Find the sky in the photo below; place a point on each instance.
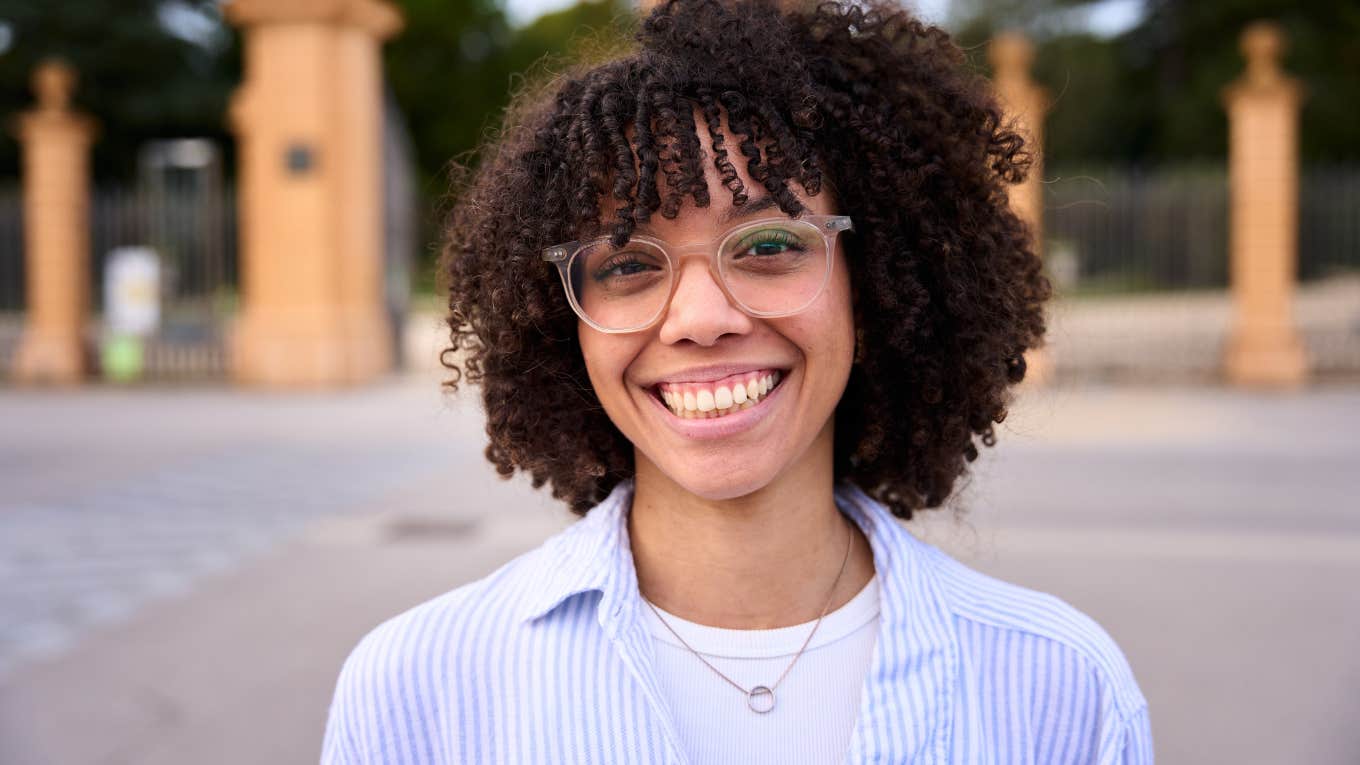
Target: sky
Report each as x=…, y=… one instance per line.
x=525, y=11
x=1107, y=18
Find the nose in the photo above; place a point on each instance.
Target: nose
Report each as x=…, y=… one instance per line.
x=699, y=309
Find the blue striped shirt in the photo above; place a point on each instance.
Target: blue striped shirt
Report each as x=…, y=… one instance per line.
x=548, y=660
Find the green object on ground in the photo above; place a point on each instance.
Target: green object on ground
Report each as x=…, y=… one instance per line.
x=122, y=358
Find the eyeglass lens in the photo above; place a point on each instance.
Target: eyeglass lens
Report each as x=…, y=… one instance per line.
x=772, y=269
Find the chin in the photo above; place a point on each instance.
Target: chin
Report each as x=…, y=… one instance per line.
x=719, y=481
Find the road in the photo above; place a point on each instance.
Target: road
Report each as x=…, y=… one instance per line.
x=183, y=570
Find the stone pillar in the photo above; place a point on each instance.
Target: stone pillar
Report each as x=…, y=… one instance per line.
x=1263, y=106
x=1026, y=103
x=308, y=119
x=56, y=180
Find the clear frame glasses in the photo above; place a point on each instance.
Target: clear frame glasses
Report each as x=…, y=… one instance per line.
x=767, y=268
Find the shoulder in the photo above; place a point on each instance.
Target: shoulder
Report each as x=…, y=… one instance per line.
x=400, y=680
x=1042, y=654
x=995, y=610
x=978, y=600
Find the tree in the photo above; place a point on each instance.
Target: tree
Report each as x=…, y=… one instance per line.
x=455, y=65
x=147, y=68
x=1152, y=93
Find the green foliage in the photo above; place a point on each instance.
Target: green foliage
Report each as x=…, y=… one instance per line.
x=140, y=80
x=1153, y=93
x=453, y=70
x=455, y=65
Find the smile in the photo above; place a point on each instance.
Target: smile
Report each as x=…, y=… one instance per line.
x=718, y=398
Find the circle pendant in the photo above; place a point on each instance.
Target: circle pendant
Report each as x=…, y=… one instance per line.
x=760, y=699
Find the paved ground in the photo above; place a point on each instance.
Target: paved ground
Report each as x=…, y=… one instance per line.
x=1182, y=335
x=182, y=571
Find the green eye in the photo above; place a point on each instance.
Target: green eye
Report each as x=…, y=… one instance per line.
x=768, y=242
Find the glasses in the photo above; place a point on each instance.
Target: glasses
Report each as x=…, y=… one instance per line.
x=767, y=268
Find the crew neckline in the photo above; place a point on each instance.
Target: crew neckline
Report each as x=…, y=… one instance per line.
x=766, y=644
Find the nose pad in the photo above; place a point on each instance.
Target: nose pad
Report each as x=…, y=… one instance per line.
x=700, y=309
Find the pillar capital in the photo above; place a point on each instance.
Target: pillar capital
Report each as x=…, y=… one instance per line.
x=378, y=17
x=1011, y=54
x=1012, y=57
x=53, y=81
x=1263, y=44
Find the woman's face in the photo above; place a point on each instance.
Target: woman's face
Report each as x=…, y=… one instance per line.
x=704, y=343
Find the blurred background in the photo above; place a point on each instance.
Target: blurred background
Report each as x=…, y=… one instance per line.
x=225, y=454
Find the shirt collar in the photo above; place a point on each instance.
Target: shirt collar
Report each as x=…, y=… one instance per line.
x=906, y=708
x=914, y=670
x=592, y=554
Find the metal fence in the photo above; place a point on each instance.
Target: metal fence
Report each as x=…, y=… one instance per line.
x=1329, y=221
x=192, y=229
x=1139, y=257
x=1121, y=230
x=11, y=273
x=1130, y=229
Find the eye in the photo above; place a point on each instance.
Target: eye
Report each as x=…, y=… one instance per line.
x=622, y=264
x=768, y=242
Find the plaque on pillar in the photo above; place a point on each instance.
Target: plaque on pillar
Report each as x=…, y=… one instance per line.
x=299, y=159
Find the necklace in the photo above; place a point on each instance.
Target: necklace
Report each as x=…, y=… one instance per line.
x=760, y=699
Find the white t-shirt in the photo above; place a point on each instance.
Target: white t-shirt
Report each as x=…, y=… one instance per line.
x=815, y=706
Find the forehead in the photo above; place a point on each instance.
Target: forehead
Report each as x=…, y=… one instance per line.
x=721, y=212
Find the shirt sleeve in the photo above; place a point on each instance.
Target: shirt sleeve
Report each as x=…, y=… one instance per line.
x=344, y=728
x=370, y=719
x=1136, y=746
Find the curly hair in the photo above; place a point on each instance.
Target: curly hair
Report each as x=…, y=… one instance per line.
x=948, y=291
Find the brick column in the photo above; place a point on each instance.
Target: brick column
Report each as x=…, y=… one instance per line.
x=1026, y=103
x=309, y=123
x=1263, y=107
x=56, y=180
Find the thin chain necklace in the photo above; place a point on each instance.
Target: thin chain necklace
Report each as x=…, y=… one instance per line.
x=761, y=698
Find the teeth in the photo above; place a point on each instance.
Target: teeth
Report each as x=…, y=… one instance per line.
x=698, y=402
x=738, y=393
x=722, y=398
x=705, y=399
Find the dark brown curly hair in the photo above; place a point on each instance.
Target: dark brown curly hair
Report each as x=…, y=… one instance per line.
x=948, y=292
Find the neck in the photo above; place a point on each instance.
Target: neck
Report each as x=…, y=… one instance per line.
x=760, y=561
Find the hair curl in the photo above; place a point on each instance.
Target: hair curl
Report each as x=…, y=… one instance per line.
x=948, y=292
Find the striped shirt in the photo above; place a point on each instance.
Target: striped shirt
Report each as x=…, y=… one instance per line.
x=548, y=660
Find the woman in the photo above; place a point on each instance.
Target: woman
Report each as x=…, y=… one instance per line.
x=744, y=297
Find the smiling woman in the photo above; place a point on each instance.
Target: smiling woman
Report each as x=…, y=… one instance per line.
x=744, y=297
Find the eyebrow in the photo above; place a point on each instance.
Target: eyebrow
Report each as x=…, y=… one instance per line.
x=734, y=213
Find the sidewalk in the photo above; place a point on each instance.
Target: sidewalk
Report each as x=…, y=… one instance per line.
x=1213, y=533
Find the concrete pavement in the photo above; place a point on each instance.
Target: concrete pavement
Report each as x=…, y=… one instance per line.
x=182, y=571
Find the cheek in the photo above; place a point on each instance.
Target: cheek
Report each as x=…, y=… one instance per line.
x=839, y=319
x=607, y=358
